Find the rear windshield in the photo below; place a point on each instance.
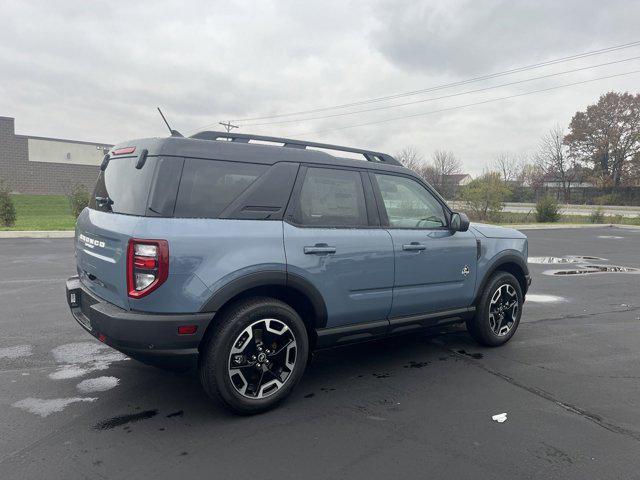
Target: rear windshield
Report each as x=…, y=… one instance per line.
x=207, y=187
x=122, y=188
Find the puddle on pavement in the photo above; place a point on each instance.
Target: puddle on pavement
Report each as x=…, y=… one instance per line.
x=592, y=269
x=477, y=356
x=414, y=364
x=564, y=259
x=120, y=420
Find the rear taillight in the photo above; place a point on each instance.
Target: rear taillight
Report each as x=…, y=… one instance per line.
x=147, y=266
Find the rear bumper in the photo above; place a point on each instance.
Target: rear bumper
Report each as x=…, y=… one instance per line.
x=149, y=337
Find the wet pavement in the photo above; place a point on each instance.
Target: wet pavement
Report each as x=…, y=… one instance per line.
x=413, y=407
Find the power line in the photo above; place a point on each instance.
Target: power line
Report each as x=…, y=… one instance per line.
x=467, y=105
x=385, y=107
x=228, y=125
x=448, y=85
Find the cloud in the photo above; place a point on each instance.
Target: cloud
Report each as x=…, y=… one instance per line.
x=469, y=37
x=97, y=70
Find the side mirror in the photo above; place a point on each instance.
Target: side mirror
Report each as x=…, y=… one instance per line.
x=459, y=222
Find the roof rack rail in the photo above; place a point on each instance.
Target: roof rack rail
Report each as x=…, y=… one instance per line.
x=369, y=155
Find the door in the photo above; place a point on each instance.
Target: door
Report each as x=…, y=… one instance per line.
x=332, y=241
x=435, y=268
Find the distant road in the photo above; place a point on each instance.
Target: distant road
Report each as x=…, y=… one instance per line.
x=569, y=209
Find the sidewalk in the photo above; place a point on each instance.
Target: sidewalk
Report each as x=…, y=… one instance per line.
x=37, y=234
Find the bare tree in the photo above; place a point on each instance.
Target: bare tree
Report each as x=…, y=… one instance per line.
x=508, y=166
x=444, y=164
x=552, y=157
x=411, y=158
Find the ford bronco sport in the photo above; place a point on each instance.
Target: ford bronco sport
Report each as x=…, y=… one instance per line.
x=240, y=254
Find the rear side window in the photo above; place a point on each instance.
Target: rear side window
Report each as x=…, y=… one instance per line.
x=332, y=198
x=122, y=188
x=208, y=186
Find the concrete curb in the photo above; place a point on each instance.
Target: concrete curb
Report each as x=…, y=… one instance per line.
x=37, y=234
x=556, y=226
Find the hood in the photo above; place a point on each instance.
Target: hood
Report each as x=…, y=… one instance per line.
x=494, y=231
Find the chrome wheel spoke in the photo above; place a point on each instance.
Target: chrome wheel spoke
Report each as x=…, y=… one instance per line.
x=262, y=358
x=503, y=309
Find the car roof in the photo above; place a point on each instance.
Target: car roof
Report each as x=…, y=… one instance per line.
x=262, y=149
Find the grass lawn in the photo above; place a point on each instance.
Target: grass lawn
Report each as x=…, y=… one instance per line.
x=522, y=218
x=42, y=212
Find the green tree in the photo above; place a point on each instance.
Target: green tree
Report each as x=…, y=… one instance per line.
x=606, y=137
x=547, y=210
x=484, y=196
x=7, y=209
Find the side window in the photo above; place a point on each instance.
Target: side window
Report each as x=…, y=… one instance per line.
x=409, y=204
x=208, y=186
x=332, y=198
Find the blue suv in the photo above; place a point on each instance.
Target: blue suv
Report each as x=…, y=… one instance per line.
x=241, y=254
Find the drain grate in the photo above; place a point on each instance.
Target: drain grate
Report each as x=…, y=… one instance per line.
x=591, y=269
x=564, y=259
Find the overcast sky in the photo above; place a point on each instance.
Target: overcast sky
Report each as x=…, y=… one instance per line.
x=96, y=70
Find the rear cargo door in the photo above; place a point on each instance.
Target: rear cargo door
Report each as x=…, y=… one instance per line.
x=101, y=253
x=123, y=196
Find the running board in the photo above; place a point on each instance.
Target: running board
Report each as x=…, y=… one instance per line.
x=328, y=337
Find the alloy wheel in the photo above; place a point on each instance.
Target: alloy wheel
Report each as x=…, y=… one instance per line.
x=262, y=358
x=503, y=309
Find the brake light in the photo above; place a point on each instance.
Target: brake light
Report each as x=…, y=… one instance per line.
x=123, y=151
x=147, y=266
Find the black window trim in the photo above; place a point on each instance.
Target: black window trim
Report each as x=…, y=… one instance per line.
x=372, y=211
x=384, y=218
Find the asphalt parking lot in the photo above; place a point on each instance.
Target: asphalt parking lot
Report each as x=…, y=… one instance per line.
x=412, y=407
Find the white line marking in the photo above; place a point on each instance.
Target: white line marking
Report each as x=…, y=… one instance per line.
x=44, y=408
x=18, y=351
x=539, y=298
x=100, y=384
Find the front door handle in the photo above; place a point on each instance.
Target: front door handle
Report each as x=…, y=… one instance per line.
x=321, y=248
x=413, y=247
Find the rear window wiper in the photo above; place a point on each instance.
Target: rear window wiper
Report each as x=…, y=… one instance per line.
x=104, y=201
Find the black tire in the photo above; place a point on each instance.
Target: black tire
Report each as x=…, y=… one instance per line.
x=215, y=356
x=482, y=327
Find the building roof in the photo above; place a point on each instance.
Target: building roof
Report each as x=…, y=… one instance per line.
x=456, y=178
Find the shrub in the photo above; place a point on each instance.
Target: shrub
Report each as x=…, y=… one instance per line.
x=608, y=199
x=7, y=209
x=547, y=210
x=78, y=199
x=484, y=196
x=597, y=216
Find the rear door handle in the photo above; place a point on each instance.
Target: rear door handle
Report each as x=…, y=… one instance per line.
x=413, y=247
x=322, y=248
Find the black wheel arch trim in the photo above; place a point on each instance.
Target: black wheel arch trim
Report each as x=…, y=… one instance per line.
x=499, y=261
x=269, y=278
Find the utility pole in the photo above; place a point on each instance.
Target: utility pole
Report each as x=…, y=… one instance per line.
x=228, y=125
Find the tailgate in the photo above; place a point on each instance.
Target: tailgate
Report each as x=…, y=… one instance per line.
x=101, y=253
